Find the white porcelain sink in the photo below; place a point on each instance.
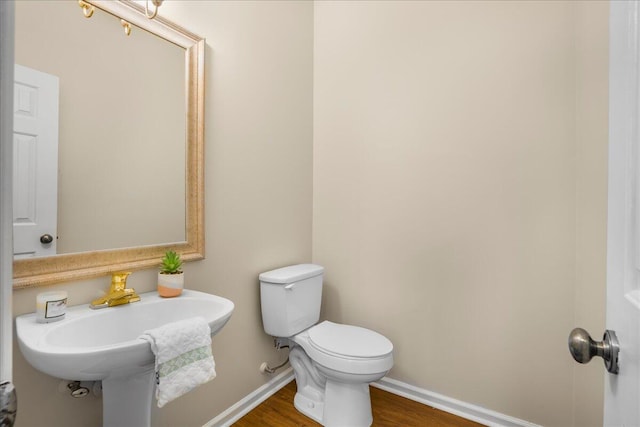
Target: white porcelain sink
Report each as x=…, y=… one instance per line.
x=104, y=345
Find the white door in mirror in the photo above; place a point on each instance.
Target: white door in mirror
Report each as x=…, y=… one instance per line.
x=35, y=159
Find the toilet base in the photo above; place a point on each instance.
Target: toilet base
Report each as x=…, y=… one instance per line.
x=347, y=404
x=308, y=407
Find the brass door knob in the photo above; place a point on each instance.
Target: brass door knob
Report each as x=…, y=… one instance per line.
x=583, y=348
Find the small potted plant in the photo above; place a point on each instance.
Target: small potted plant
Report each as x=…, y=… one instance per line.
x=170, y=276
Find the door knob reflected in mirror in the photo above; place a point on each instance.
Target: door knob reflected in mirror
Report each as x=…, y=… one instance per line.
x=583, y=348
x=46, y=239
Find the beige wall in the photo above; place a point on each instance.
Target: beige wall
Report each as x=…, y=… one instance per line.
x=258, y=200
x=116, y=106
x=456, y=171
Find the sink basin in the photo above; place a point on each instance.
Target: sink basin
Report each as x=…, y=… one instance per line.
x=104, y=345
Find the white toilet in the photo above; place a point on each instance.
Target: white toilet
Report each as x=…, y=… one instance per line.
x=333, y=363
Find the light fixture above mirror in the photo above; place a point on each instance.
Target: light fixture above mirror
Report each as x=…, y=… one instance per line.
x=156, y=3
x=88, y=9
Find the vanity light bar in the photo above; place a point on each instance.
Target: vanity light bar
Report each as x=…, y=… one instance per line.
x=88, y=9
x=156, y=3
x=126, y=26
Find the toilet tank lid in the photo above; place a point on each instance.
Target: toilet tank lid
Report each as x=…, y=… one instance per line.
x=291, y=274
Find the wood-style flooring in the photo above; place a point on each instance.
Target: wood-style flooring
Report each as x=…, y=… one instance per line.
x=389, y=410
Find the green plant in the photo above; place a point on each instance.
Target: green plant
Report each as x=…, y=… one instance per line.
x=171, y=263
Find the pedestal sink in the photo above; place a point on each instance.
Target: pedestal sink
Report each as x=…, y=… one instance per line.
x=90, y=345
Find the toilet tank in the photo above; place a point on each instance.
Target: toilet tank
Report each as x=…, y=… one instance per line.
x=290, y=299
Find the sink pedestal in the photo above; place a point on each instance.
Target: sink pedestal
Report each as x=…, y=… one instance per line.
x=126, y=401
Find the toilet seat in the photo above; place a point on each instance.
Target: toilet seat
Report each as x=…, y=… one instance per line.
x=346, y=348
x=349, y=341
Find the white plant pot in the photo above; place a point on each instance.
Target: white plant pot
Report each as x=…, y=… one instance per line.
x=170, y=285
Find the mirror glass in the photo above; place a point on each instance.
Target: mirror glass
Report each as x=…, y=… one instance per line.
x=103, y=115
x=108, y=140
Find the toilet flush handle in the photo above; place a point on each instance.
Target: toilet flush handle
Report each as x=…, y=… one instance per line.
x=290, y=287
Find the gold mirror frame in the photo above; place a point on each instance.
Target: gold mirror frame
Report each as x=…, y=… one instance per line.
x=84, y=265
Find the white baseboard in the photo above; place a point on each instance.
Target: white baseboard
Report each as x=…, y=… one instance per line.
x=426, y=397
x=244, y=406
x=453, y=406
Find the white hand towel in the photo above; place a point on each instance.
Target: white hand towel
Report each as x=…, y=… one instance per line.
x=183, y=357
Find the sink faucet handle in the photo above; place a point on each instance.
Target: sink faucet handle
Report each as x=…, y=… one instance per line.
x=119, y=280
x=120, y=276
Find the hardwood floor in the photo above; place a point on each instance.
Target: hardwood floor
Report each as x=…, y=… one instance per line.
x=388, y=410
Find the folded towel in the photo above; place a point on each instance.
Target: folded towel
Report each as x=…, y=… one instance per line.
x=183, y=357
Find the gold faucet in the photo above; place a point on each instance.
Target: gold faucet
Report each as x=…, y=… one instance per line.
x=118, y=293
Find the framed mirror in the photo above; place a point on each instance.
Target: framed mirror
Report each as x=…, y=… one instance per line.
x=124, y=97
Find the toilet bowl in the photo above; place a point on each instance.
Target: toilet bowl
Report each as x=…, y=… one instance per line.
x=333, y=363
